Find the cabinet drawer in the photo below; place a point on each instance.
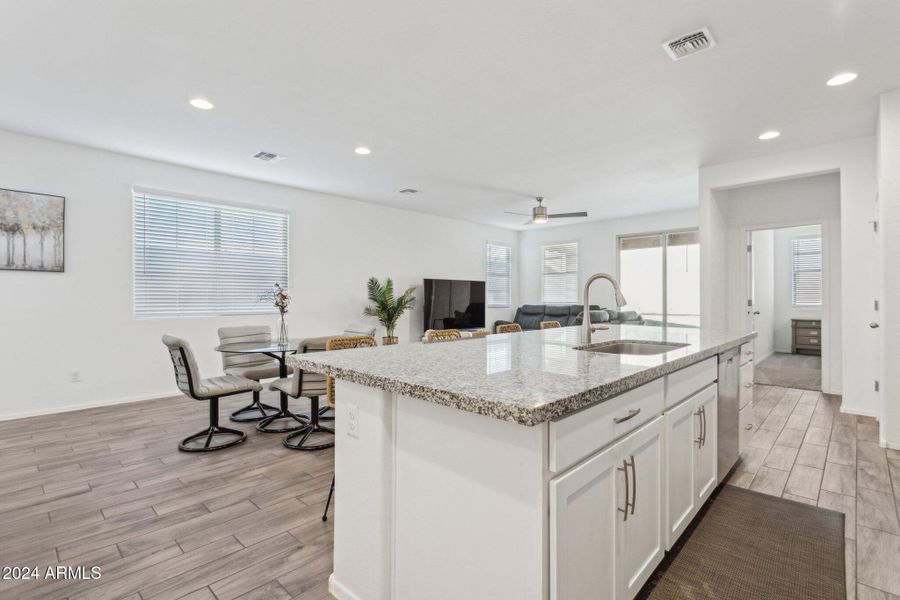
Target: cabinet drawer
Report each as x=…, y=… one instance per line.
x=747, y=424
x=816, y=324
x=745, y=381
x=687, y=381
x=808, y=331
x=746, y=352
x=574, y=437
x=808, y=341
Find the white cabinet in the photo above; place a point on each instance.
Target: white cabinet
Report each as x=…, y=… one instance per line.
x=691, y=468
x=707, y=452
x=746, y=419
x=606, y=520
x=583, y=521
x=641, y=533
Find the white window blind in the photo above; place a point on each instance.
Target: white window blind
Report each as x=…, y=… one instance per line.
x=806, y=265
x=559, y=274
x=499, y=275
x=195, y=258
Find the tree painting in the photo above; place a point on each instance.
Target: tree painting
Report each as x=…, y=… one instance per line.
x=32, y=229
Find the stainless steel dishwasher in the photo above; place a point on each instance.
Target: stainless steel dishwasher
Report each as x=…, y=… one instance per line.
x=728, y=406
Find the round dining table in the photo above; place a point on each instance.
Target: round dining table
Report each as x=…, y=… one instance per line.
x=279, y=352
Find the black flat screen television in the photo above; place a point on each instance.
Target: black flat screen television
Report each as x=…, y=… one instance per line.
x=454, y=304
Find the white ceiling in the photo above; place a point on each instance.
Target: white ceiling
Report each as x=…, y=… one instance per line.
x=478, y=103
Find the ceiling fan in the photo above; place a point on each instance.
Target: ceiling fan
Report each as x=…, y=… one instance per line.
x=539, y=213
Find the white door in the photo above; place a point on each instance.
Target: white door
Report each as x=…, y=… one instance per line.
x=706, y=469
x=682, y=433
x=584, y=507
x=641, y=532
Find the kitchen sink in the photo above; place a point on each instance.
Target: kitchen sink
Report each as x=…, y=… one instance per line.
x=631, y=347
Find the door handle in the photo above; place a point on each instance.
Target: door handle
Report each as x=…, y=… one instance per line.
x=624, y=469
x=873, y=325
x=631, y=414
x=755, y=312
x=748, y=385
x=633, y=485
x=749, y=427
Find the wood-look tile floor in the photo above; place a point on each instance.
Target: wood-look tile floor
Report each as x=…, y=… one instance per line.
x=107, y=487
x=808, y=451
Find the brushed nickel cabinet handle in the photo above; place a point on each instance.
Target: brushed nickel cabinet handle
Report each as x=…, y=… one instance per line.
x=749, y=427
x=624, y=469
x=633, y=485
x=699, y=440
x=631, y=414
x=703, y=414
x=748, y=385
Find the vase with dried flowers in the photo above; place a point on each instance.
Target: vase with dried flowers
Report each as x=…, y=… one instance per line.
x=281, y=299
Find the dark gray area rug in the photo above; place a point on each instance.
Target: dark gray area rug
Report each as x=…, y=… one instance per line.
x=790, y=370
x=750, y=546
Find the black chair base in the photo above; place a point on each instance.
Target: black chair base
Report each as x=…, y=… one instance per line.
x=265, y=425
x=303, y=434
x=255, y=411
x=326, y=414
x=328, y=502
x=209, y=434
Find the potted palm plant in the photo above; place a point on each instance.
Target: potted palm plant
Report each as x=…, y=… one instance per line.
x=386, y=308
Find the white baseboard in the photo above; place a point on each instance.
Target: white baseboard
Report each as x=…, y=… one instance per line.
x=764, y=357
x=892, y=445
x=339, y=591
x=860, y=412
x=73, y=407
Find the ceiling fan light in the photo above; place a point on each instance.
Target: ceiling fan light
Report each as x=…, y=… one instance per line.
x=539, y=214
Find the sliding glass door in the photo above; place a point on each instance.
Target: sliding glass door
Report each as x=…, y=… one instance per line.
x=660, y=276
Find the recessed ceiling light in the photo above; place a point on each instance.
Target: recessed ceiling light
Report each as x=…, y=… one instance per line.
x=202, y=103
x=841, y=79
x=362, y=150
x=769, y=135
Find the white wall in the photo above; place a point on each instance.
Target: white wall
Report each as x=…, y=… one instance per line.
x=851, y=342
x=53, y=324
x=764, y=293
x=784, y=306
x=597, y=249
x=889, y=219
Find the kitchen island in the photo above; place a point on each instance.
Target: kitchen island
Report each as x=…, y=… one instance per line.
x=523, y=466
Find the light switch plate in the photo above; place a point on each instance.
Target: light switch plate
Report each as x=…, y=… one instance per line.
x=352, y=414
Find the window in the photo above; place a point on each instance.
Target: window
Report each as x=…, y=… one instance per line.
x=195, y=258
x=559, y=274
x=660, y=276
x=499, y=276
x=806, y=268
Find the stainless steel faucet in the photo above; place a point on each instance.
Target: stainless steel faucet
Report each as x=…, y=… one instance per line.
x=586, y=319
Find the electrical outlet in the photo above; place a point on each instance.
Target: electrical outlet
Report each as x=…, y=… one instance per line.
x=352, y=415
x=75, y=376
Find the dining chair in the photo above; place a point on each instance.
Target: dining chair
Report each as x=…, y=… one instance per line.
x=342, y=343
x=549, y=324
x=251, y=366
x=442, y=335
x=305, y=384
x=509, y=328
x=187, y=377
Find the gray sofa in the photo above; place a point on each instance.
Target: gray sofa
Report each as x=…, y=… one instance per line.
x=530, y=316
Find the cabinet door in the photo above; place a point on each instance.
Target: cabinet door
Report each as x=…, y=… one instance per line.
x=682, y=433
x=641, y=536
x=706, y=469
x=584, y=506
x=745, y=379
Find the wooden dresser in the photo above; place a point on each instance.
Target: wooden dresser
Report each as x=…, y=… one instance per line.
x=806, y=336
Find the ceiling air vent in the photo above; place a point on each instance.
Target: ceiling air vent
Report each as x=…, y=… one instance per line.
x=268, y=156
x=689, y=44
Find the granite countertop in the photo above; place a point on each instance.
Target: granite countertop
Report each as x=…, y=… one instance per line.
x=527, y=378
